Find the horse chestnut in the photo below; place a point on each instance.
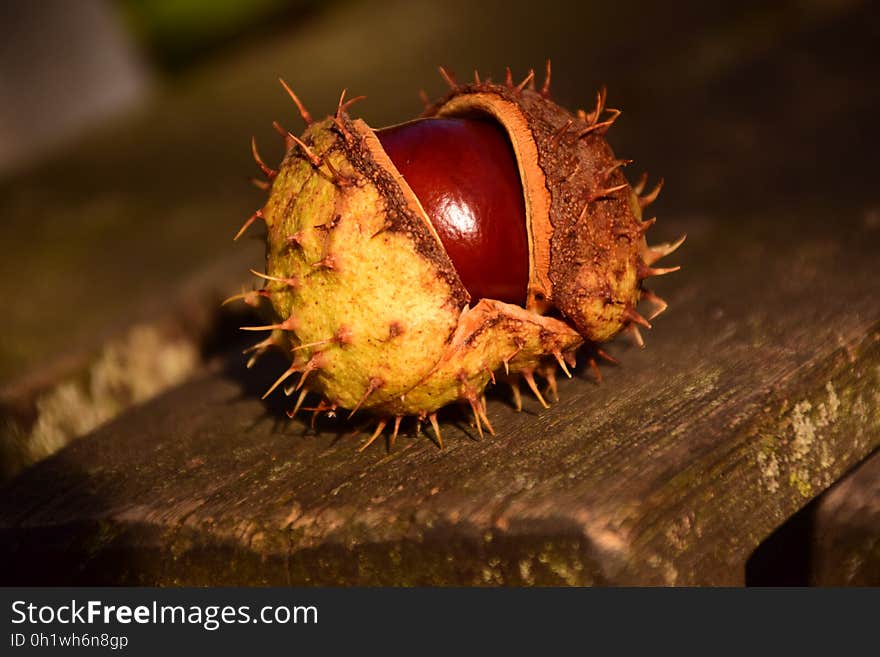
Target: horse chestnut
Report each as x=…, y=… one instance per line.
x=464, y=173
x=406, y=266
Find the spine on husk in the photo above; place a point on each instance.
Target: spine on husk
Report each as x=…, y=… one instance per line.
x=367, y=302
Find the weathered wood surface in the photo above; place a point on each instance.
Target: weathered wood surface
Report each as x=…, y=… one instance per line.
x=105, y=239
x=845, y=548
x=756, y=392
x=164, y=343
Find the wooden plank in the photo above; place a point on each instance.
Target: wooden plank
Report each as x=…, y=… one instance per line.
x=105, y=240
x=750, y=399
x=162, y=345
x=757, y=390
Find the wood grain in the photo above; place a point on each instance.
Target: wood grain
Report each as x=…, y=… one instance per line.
x=758, y=389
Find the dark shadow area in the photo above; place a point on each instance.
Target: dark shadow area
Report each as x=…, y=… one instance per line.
x=62, y=552
x=784, y=558
x=224, y=332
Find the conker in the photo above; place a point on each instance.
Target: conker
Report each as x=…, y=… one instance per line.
x=406, y=267
x=464, y=173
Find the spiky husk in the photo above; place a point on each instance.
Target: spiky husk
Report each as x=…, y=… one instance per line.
x=366, y=298
x=367, y=301
x=585, y=231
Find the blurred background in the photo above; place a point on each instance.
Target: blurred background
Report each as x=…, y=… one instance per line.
x=125, y=129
